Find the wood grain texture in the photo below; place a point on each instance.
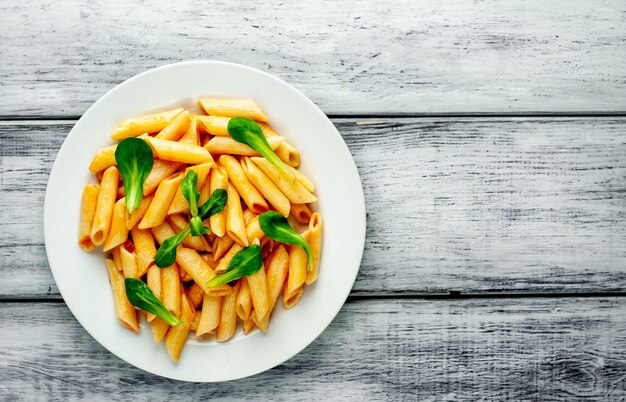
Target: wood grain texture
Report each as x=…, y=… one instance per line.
x=382, y=350
x=472, y=205
x=350, y=57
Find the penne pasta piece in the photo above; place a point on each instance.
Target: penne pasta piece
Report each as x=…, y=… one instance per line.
x=210, y=316
x=315, y=241
x=288, y=154
x=301, y=212
x=133, y=218
x=177, y=336
x=199, y=270
x=244, y=302
x=277, y=268
x=253, y=230
x=191, y=135
x=223, y=264
x=125, y=312
x=303, y=180
x=177, y=152
x=145, y=249
x=293, y=189
x=257, y=283
x=129, y=260
x=87, y=212
x=232, y=108
x=103, y=159
x=162, y=232
x=227, y=145
x=155, y=215
x=153, y=280
x=160, y=171
x=104, y=206
x=235, y=224
x=118, y=233
x=176, y=128
x=296, y=276
x=221, y=247
x=193, y=325
x=179, y=203
x=248, y=326
x=268, y=132
x=228, y=316
x=195, y=295
x=117, y=258
x=159, y=329
x=251, y=196
x=248, y=215
x=214, y=125
x=268, y=189
x=171, y=288
x=184, y=276
x=218, y=180
x=150, y=123
x=199, y=243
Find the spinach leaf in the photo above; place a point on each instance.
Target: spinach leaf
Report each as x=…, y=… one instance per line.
x=246, y=262
x=134, y=160
x=215, y=204
x=190, y=191
x=197, y=227
x=247, y=131
x=140, y=296
x=277, y=228
x=166, y=254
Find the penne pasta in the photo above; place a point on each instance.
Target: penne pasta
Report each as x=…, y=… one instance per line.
x=153, y=280
x=221, y=246
x=160, y=171
x=227, y=145
x=293, y=189
x=315, y=242
x=198, y=269
x=118, y=233
x=218, y=180
x=159, y=329
x=228, y=316
x=104, y=206
x=301, y=212
x=171, y=289
x=133, y=218
x=179, y=203
x=268, y=189
x=232, y=108
x=277, y=268
x=117, y=258
x=87, y=212
x=253, y=230
x=223, y=264
x=235, y=224
x=244, y=302
x=214, y=125
x=296, y=276
x=193, y=325
x=177, y=152
x=257, y=283
x=177, y=336
x=155, y=215
x=210, y=316
x=191, y=135
x=176, y=128
x=288, y=154
x=251, y=196
x=162, y=232
x=150, y=123
x=103, y=159
x=125, y=312
x=145, y=249
x=129, y=260
x=248, y=326
x=195, y=294
x=199, y=243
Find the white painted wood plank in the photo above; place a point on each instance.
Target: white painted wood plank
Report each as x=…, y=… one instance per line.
x=350, y=57
x=471, y=205
x=375, y=350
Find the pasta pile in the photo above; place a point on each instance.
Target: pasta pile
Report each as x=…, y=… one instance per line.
x=180, y=142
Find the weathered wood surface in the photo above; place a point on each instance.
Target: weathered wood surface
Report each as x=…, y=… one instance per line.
x=472, y=205
x=350, y=57
x=383, y=350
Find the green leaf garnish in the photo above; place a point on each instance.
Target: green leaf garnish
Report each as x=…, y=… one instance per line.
x=246, y=262
x=166, y=254
x=197, y=227
x=277, y=228
x=190, y=191
x=134, y=160
x=247, y=131
x=140, y=296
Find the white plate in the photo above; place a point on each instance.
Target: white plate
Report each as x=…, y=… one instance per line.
x=82, y=278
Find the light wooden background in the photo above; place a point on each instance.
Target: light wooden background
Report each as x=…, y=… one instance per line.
x=491, y=141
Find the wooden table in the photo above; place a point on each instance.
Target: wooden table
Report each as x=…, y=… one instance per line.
x=491, y=141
